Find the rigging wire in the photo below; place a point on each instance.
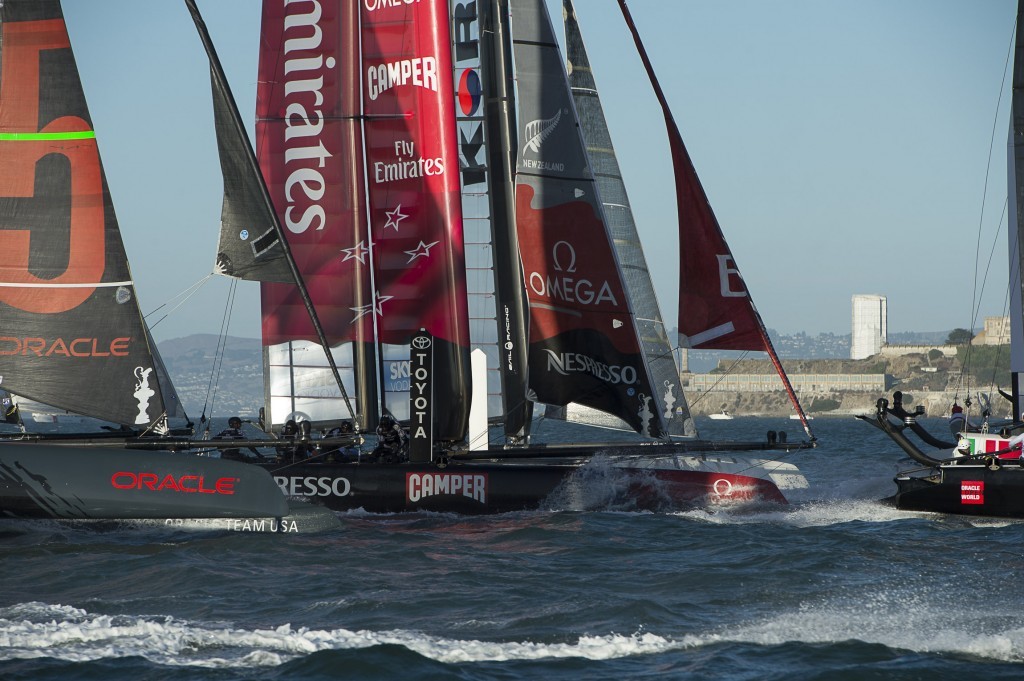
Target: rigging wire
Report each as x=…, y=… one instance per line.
x=997, y=359
x=969, y=350
x=182, y=297
x=976, y=295
x=218, y=357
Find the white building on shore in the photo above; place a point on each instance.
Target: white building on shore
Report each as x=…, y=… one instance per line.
x=870, y=321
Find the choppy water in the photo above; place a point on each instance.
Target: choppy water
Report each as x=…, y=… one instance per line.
x=835, y=586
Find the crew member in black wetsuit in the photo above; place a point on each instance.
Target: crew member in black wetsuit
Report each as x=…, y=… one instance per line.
x=391, y=441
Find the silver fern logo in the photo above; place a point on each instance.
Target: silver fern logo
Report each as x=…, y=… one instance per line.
x=539, y=130
x=161, y=427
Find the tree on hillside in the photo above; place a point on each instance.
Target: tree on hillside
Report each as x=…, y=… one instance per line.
x=959, y=337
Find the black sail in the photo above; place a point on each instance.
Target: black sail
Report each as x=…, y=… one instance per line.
x=668, y=393
x=249, y=246
x=584, y=344
x=71, y=332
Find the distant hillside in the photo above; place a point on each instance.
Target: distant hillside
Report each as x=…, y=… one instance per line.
x=234, y=386
x=176, y=348
x=190, y=361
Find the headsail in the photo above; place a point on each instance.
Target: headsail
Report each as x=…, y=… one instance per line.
x=249, y=246
x=73, y=335
x=668, y=393
x=715, y=308
x=584, y=344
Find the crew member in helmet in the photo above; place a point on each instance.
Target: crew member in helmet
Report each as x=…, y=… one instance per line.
x=234, y=432
x=294, y=441
x=391, y=441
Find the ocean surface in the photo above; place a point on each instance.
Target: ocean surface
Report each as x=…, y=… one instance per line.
x=834, y=586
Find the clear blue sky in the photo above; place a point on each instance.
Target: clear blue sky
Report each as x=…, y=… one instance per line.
x=844, y=145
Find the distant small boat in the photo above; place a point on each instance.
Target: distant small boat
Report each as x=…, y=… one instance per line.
x=797, y=418
x=721, y=416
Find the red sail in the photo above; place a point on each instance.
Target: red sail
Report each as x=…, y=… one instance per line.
x=310, y=149
x=412, y=174
x=715, y=309
x=584, y=343
x=309, y=144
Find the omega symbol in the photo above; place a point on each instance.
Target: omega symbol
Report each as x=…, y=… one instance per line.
x=564, y=247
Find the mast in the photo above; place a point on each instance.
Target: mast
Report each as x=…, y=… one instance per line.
x=1015, y=180
x=229, y=118
x=484, y=113
x=715, y=307
x=499, y=118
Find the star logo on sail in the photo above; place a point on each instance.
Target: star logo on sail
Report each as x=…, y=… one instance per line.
x=357, y=252
x=394, y=217
x=421, y=251
x=376, y=306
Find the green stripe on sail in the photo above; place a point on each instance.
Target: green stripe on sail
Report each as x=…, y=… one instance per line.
x=31, y=136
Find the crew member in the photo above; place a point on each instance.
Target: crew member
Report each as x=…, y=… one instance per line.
x=9, y=410
x=346, y=452
x=234, y=432
x=294, y=446
x=958, y=422
x=391, y=441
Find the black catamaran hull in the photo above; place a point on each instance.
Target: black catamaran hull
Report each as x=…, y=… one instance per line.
x=481, y=487
x=984, y=477
x=964, y=489
x=55, y=481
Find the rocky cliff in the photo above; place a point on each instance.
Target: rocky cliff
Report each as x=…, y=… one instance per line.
x=930, y=380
